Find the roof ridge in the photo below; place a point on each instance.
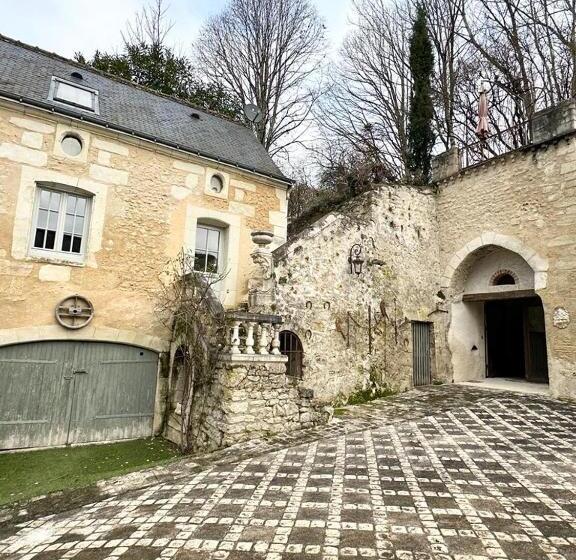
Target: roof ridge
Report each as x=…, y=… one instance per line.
x=118, y=79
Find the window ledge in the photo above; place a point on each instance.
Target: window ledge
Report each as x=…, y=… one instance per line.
x=57, y=260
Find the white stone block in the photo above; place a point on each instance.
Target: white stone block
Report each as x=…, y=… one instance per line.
x=111, y=147
x=104, y=158
x=539, y=264
x=278, y=218
x=282, y=195
x=474, y=244
x=32, y=139
x=488, y=237
x=54, y=273
x=190, y=167
x=242, y=185
x=540, y=280
x=191, y=181
x=241, y=208
x=22, y=154
x=179, y=193
x=33, y=125
x=109, y=175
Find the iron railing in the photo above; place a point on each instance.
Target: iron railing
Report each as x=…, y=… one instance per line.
x=496, y=144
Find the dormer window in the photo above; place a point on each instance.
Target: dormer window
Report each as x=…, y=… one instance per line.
x=74, y=95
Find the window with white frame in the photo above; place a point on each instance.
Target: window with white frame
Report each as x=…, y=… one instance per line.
x=60, y=224
x=208, y=250
x=73, y=94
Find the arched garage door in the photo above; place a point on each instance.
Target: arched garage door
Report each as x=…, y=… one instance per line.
x=58, y=392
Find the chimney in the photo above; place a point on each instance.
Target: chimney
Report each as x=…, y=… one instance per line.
x=445, y=164
x=554, y=121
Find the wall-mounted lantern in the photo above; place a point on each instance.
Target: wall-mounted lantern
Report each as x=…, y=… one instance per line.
x=356, y=259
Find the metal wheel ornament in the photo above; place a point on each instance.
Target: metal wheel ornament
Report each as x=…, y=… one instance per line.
x=74, y=312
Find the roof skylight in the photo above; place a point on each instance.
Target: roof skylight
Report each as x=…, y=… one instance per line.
x=74, y=95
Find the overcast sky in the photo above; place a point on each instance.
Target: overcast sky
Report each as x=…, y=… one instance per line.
x=67, y=26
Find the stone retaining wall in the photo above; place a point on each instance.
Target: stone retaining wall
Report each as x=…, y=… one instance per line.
x=248, y=397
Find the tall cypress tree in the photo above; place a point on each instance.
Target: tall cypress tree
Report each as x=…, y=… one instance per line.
x=420, y=133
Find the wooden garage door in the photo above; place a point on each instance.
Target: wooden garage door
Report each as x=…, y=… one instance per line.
x=57, y=392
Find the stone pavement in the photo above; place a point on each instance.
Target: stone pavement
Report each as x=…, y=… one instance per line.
x=445, y=473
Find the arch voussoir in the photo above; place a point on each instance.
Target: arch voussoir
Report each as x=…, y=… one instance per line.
x=538, y=263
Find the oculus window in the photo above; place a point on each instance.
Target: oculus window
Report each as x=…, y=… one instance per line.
x=71, y=145
x=216, y=184
x=208, y=251
x=74, y=95
x=60, y=224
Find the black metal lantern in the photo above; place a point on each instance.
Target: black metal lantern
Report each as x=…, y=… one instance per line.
x=356, y=259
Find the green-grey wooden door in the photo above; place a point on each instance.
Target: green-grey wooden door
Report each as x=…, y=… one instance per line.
x=35, y=390
x=60, y=392
x=114, y=393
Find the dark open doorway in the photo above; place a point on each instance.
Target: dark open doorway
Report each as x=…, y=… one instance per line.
x=516, y=339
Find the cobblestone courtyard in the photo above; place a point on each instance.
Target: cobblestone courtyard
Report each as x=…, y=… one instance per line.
x=446, y=473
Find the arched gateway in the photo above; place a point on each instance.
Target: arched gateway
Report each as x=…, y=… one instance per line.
x=497, y=326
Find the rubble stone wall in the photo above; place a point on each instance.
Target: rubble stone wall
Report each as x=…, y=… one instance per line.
x=328, y=307
x=244, y=400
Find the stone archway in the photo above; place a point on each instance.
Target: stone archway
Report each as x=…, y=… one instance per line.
x=458, y=263
x=471, y=280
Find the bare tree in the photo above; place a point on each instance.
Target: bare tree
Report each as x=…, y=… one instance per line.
x=367, y=103
x=497, y=30
x=451, y=53
x=553, y=26
x=150, y=26
x=267, y=52
x=526, y=49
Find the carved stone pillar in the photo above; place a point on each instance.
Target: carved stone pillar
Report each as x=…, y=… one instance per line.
x=261, y=284
x=249, y=338
x=263, y=339
x=235, y=338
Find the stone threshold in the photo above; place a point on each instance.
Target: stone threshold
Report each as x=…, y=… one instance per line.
x=509, y=384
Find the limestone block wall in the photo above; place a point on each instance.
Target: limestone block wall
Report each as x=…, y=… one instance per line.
x=146, y=202
x=525, y=202
x=328, y=307
x=247, y=397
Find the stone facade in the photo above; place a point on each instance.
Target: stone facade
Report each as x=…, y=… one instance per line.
x=523, y=202
x=247, y=397
x=433, y=256
x=328, y=306
x=146, y=202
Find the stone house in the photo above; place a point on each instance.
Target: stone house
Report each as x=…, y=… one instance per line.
x=102, y=183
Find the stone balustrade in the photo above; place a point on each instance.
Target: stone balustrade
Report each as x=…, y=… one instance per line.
x=253, y=334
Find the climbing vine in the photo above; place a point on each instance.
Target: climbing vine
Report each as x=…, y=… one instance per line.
x=191, y=310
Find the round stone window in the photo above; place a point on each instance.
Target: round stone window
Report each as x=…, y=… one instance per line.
x=216, y=184
x=71, y=145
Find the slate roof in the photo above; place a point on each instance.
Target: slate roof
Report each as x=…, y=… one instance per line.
x=26, y=74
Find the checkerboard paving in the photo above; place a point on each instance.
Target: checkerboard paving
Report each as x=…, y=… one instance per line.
x=490, y=479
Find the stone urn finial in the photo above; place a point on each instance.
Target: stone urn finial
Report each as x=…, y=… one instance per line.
x=261, y=284
x=262, y=238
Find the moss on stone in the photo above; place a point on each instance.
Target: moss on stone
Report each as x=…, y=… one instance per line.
x=340, y=411
x=371, y=393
